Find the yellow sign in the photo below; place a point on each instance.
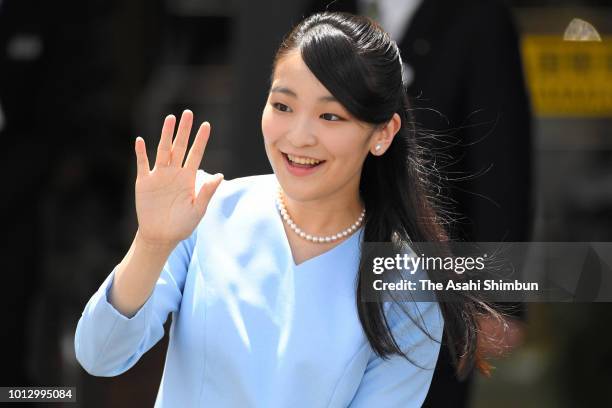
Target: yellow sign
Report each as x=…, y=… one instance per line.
x=569, y=78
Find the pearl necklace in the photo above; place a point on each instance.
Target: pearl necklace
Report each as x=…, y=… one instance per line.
x=309, y=237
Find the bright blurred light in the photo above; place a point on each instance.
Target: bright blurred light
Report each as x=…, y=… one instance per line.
x=580, y=30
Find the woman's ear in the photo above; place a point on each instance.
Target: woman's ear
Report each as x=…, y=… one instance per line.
x=383, y=136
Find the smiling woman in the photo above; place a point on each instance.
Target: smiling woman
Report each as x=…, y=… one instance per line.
x=315, y=146
x=263, y=274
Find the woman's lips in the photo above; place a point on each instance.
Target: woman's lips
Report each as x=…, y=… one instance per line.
x=300, y=169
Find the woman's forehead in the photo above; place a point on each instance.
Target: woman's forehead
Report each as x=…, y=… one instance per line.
x=292, y=65
x=293, y=78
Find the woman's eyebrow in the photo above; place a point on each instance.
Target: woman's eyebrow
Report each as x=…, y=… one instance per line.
x=289, y=92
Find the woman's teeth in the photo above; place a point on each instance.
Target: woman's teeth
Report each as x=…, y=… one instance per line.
x=303, y=160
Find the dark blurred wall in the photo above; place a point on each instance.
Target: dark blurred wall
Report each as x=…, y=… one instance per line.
x=70, y=72
x=54, y=97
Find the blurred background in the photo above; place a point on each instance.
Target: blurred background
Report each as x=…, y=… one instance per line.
x=80, y=80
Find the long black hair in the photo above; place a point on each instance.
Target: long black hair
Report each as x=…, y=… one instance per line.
x=356, y=60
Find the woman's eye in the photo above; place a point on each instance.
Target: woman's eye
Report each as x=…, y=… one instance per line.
x=327, y=116
x=281, y=107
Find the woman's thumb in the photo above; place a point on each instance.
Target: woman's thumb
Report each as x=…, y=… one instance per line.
x=207, y=190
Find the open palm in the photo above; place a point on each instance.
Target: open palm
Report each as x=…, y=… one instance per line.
x=167, y=206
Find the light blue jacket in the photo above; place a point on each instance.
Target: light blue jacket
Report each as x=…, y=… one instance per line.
x=252, y=329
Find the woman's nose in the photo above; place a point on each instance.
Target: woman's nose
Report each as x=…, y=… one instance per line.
x=302, y=133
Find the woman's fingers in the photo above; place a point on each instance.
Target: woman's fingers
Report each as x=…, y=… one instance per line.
x=142, y=161
x=194, y=158
x=182, y=138
x=164, y=149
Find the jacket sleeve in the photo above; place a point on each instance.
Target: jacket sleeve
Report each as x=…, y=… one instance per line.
x=106, y=342
x=397, y=382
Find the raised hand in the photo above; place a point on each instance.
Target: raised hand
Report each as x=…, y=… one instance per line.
x=167, y=206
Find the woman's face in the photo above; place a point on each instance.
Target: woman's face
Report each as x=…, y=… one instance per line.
x=316, y=148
